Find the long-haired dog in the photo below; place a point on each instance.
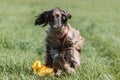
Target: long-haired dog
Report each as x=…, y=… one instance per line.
x=63, y=43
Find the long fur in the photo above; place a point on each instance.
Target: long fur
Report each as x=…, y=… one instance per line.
x=62, y=55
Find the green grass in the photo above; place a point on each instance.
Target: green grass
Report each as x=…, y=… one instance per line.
x=21, y=43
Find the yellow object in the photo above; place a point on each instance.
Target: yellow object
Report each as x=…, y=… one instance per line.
x=41, y=69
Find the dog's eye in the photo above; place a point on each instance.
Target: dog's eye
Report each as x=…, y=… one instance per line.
x=52, y=16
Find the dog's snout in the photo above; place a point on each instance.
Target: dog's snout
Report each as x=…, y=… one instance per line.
x=57, y=15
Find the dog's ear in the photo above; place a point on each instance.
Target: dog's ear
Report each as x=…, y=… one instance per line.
x=66, y=16
x=43, y=18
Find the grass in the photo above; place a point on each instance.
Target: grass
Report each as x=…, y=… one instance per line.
x=21, y=43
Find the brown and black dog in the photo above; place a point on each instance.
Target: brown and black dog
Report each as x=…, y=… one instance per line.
x=63, y=43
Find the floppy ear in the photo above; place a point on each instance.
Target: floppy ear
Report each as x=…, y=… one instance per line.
x=66, y=16
x=43, y=18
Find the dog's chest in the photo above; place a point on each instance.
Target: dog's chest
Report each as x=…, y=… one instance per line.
x=54, y=42
x=58, y=41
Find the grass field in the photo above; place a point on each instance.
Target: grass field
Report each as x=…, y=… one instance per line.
x=21, y=43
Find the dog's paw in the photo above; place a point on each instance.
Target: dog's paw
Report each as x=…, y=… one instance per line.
x=58, y=73
x=69, y=69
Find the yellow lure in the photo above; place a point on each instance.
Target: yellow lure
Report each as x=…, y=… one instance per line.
x=41, y=69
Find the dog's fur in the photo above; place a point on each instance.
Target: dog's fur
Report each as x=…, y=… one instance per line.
x=63, y=43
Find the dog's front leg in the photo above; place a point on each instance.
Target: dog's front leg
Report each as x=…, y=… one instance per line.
x=72, y=57
x=58, y=62
x=48, y=57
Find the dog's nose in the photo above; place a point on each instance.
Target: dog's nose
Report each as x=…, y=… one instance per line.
x=57, y=15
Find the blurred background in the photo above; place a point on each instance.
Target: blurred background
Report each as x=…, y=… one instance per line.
x=21, y=43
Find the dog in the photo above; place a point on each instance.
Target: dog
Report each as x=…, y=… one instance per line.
x=63, y=43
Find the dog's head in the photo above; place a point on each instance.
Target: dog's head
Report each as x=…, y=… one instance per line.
x=56, y=18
